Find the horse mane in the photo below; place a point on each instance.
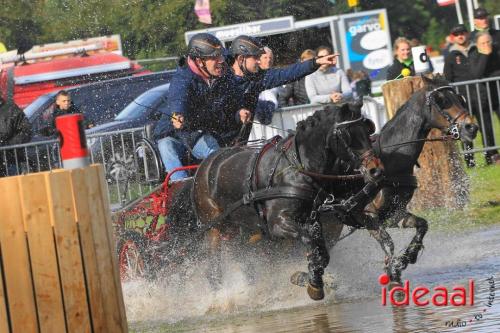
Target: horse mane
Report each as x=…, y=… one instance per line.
x=329, y=115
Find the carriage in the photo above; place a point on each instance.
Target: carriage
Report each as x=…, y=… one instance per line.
x=266, y=179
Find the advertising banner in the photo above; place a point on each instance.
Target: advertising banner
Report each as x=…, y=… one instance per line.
x=366, y=43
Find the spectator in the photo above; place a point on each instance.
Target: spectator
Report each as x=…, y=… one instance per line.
x=458, y=67
x=268, y=99
x=482, y=24
x=295, y=93
x=14, y=129
x=63, y=105
x=403, y=62
x=486, y=61
x=360, y=84
x=329, y=84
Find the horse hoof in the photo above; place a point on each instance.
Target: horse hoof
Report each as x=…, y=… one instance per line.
x=299, y=279
x=316, y=294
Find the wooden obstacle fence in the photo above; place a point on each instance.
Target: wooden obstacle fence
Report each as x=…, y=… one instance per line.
x=58, y=269
x=441, y=179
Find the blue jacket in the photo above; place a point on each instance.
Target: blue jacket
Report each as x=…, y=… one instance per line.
x=206, y=108
x=270, y=78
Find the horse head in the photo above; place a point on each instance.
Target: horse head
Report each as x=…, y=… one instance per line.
x=448, y=110
x=345, y=134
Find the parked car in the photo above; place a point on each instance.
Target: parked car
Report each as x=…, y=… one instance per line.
x=99, y=102
x=122, y=144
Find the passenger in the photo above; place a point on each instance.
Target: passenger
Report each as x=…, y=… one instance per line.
x=251, y=81
x=268, y=99
x=203, y=103
x=62, y=106
x=329, y=84
x=402, y=60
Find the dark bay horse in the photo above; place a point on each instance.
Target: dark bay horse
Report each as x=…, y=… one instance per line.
x=399, y=145
x=275, y=189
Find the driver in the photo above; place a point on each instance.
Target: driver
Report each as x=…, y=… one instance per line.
x=201, y=105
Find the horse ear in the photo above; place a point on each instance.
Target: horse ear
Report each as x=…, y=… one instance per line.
x=426, y=80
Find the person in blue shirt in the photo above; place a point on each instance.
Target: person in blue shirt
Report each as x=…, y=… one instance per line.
x=244, y=60
x=202, y=104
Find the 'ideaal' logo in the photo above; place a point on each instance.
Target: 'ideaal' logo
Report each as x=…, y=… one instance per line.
x=458, y=296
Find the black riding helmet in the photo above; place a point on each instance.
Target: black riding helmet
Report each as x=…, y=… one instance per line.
x=247, y=46
x=205, y=45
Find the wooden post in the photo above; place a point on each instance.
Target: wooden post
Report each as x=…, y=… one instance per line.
x=57, y=251
x=441, y=178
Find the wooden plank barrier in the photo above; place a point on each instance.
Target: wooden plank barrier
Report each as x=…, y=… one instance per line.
x=58, y=269
x=441, y=178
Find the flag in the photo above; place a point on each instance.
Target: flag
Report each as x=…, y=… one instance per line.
x=445, y=2
x=202, y=10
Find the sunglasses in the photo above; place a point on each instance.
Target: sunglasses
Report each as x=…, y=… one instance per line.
x=460, y=33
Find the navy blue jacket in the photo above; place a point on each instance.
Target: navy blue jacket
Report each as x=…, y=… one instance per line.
x=206, y=108
x=270, y=78
x=252, y=86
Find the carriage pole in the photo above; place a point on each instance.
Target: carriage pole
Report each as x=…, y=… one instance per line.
x=442, y=181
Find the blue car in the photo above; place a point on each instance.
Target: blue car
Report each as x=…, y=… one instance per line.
x=122, y=144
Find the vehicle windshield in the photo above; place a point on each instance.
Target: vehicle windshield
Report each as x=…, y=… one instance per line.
x=142, y=105
x=30, y=110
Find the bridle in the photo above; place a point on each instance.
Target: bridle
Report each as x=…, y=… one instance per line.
x=453, y=129
x=341, y=132
x=430, y=101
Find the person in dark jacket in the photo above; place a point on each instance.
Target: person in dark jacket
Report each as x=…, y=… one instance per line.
x=403, y=62
x=251, y=81
x=482, y=24
x=203, y=106
x=14, y=129
x=458, y=66
x=63, y=105
x=295, y=93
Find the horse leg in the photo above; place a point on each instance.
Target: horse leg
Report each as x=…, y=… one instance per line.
x=318, y=259
x=214, y=269
x=411, y=253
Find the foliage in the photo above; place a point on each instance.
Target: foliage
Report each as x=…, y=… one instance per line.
x=152, y=28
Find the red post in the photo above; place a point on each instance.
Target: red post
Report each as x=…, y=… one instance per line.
x=74, y=152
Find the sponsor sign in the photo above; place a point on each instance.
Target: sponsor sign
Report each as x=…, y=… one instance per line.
x=366, y=43
x=256, y=28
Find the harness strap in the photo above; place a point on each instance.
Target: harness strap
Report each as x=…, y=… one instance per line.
x=283, y=192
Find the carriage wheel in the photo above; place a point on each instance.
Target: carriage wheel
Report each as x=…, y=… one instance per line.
x=149, y=165
x=131, y=261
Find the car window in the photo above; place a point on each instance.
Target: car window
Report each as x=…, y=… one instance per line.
x=142, y=105
x=39, y=104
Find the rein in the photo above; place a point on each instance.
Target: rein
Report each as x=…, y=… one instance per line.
x=441, y=138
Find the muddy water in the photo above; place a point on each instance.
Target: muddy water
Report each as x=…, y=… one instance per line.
x=353, y=300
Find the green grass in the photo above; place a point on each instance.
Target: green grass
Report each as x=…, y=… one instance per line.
x=483, y=208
